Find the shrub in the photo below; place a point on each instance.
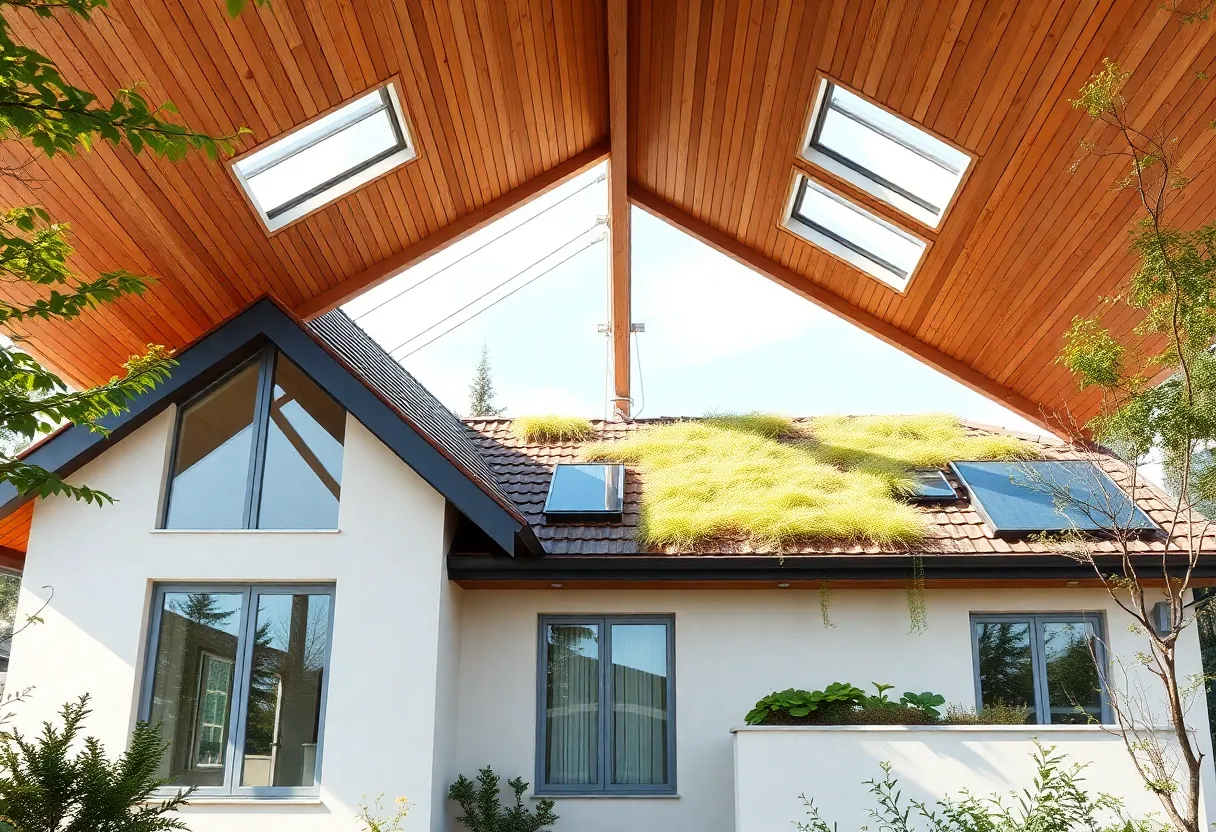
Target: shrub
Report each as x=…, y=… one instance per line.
x=483, y=811
x=547, y=430
x=1057, y=803
x=44, y=786
x=841, y=703
x=374, y=817
x=998, y=713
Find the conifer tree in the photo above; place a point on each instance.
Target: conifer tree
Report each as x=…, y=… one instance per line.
x=481, y=391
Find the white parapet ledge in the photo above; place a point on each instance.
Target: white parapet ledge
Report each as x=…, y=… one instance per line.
x=1028, y=730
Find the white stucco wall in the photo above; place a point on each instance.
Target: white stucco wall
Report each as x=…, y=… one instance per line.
x=733, y=647
x=775, y=765
x=391, y=597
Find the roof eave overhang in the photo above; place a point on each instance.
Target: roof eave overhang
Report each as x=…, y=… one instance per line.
x=235, y=340
x=760, y=569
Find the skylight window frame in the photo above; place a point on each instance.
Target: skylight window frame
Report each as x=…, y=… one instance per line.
x=1141, y=532
x=404, y=150
x=889, y=194
x=566, y=515
x=933, y=499
x=847, y=251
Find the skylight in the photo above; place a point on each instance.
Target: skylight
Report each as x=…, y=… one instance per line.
x=853, y=234
x=1021, y=498
x=586, y=491
x=889, y=158
x=321, y=161
x=931, y=486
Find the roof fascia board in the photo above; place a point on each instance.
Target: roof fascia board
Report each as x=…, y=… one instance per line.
x=239, y=337
x=768, y=568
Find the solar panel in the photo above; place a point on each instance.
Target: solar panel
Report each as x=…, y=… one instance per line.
x=1022, y=498
x=586, y=491
x=930, y=485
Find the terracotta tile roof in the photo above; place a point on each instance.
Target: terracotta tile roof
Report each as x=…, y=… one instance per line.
x=524, y=471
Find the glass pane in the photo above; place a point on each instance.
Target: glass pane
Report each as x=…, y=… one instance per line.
x=1073, y=689
x=639, y=704
x=862, y=140
x=849, y=222
x=326, y=160
x=303, y=472
x=211, y=463
x=585, y=489
x=1006, y=667
x=572, y=699
x=284, y=711
x=192, y=684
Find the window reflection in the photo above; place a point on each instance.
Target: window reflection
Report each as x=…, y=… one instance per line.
x=192, y=684
x=302, y=477
x=1073, y=689
x=211, y=460
x=1006, y=665
x=284, y=711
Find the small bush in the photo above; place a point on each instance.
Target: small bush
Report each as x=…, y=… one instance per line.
x=375, y=818
x=548, y=430
x=1057, y=802
x=841, y=703
x=480, y=802
x=56, y=783
x=998, y=713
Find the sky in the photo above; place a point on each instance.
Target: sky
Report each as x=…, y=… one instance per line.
x=719, y=337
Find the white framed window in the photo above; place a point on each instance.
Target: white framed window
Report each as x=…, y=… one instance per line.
x=891, y=159
x=328, y=158
x=852, y=234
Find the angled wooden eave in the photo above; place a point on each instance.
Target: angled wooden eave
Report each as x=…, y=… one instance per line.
x=236, y=340
x=702, y=107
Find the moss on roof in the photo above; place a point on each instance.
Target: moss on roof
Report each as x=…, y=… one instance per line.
x=550, y=429
x=769, y=481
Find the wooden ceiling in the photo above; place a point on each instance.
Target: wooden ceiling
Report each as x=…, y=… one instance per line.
x=508, y=98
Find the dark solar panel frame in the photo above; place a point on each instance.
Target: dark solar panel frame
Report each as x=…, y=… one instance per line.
x=931, y=486
x=611, y=508
x=1007, y=522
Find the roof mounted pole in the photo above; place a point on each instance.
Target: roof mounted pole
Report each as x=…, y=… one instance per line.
x=618, y=205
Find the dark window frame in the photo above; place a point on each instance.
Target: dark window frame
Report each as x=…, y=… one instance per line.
x=401, y=142
x=796, y=213
x=827, y=103
x=604, y=787
x=237, y=718
x=1038, y=657
x=265, y=360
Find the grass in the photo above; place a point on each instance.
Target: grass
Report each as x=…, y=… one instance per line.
x=547, y=430
x=769, y=481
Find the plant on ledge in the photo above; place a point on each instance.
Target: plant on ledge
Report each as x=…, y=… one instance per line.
x=1057, y=803
x=841, y=703
x=483, y=811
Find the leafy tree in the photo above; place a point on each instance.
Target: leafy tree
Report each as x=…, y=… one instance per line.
x=483, y=811
x=481, y=391
x=52, y=783
x=1158, y=388
x=41, y=108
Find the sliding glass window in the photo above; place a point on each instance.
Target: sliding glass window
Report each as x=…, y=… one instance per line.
x=236, y=681
x=606, y=698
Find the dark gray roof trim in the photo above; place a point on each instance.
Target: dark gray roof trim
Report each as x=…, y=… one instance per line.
x=711, y=569
x=403, y=415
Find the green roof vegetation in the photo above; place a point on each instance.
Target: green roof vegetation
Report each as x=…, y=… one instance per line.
x=550, y=429
x=770, y=481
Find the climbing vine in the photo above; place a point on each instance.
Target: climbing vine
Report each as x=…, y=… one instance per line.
x=916, y=596
x=825, y=603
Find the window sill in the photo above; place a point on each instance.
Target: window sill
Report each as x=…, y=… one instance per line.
x=239, y=800
x=245, y=531
x=603, y=796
